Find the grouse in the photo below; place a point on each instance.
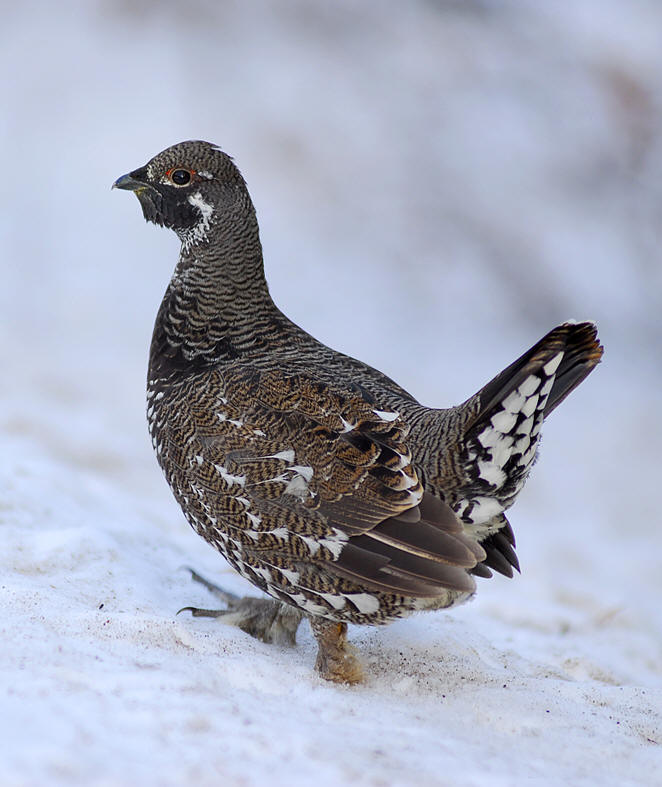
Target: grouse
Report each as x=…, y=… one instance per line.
x=321, y=480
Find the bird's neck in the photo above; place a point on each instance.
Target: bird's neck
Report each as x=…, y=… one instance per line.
x=217, y=300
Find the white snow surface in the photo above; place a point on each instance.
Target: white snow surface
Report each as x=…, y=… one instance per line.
x=438, y=184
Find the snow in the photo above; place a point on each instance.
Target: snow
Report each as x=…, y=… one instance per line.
x=437, y=186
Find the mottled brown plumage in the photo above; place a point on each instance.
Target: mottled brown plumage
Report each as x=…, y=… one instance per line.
x=322, y=481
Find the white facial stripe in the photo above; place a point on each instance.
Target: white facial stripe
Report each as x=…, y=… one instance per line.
x=200, y=231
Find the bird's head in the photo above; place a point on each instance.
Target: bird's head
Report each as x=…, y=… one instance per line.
x=185, y=187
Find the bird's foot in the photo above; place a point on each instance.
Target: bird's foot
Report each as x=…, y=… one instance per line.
x=265, y=619
x=335, y=656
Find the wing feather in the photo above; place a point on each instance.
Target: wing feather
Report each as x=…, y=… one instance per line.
x=334, y=470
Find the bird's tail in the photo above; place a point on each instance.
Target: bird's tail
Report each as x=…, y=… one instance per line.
x=502, y=433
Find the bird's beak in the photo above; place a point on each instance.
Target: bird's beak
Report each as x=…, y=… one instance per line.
x=148, y=195
x=129, y=183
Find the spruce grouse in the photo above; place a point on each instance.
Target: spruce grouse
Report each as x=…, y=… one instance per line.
x=322, y=481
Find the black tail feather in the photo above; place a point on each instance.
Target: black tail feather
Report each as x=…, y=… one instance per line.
x=582, y=352
x=503, y=433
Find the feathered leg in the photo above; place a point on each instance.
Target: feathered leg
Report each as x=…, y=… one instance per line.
x=265, y=619
x=335, y=656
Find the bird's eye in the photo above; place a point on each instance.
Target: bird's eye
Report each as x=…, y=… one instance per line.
x=180, y=177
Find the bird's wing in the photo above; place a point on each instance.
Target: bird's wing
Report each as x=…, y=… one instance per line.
x=308, y=472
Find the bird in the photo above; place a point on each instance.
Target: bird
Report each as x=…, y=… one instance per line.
x=322, y=481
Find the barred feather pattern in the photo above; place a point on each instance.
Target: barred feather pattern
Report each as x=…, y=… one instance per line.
x=262, y=475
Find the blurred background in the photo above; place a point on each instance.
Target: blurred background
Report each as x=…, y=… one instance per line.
x=437, y=183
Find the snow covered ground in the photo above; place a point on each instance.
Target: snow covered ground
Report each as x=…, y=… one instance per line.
x=467, y=174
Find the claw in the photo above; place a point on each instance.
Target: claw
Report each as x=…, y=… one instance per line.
x=196, y=612
x=265, y=619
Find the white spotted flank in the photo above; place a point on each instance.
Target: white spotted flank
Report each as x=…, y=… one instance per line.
x=385, y=415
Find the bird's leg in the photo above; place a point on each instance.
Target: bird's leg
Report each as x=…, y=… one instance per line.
x=335, y=656
x=265, y=619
